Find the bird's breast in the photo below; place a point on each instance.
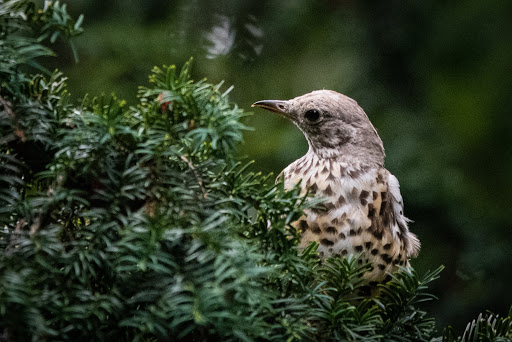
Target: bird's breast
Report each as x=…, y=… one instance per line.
x=350, y=218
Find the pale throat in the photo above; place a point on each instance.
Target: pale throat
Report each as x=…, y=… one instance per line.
x=343, y=150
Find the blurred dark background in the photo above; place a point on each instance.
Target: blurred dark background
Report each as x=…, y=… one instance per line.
x=434, y=78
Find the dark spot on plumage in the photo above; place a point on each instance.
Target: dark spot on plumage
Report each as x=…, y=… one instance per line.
x=387, y=246
x=384, y=195
x=331, y=230
x=344, y=252
x=359, y=248
x=319, y=209
x=363, y=202
x=315, y=229
x=328, y=191
x=383, y=206
x=371, y=210
x=354, y=192
x=321, y=253
x=371, y=269
x=352, y=232
x=375, y=195
x=341, y=236
x=341, y=201
x=343, y=170
x=380, y=179
x=399, y=235
x=374, y=283
x=387, y=259
x=396, y=261
x=385, y=220
x=359, y=261
x=313, y=188
x=331, y=177
x=387, y=279
x=325, y=169
x=354, y=174
x=401, y=263
x=366, y=260
x=303, y=225
x=326, y=242
x=399, y=256
x=368, y=245
x=335, y=221
x=329, y=206
x=330, y=250
x=377, y=235
x=375, y=251
x=364, y=194
x=360, y=231
x=381, y=267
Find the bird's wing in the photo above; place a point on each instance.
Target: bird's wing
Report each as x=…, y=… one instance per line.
x=400, y=224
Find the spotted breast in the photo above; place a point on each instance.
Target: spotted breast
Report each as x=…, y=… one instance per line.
x=362, y=213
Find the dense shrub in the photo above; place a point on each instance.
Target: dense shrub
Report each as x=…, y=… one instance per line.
x=137, y=223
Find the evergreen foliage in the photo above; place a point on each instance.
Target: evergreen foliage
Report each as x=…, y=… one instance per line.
x=137, y=223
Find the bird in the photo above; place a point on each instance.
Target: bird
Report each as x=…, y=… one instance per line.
x=361, y=211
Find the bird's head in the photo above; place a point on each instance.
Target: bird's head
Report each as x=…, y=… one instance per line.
x=334, y=125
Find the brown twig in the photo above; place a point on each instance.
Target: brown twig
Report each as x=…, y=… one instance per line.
x=199, y=180
x=7, y=105
x=35, y=226
x=8, y=108
x=15, y=236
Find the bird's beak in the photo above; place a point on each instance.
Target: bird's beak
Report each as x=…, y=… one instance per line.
x=276, y=106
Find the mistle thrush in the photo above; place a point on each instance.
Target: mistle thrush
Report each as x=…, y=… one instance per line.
x=363, y=210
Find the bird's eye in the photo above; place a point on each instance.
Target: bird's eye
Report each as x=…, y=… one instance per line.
x=312, y=115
